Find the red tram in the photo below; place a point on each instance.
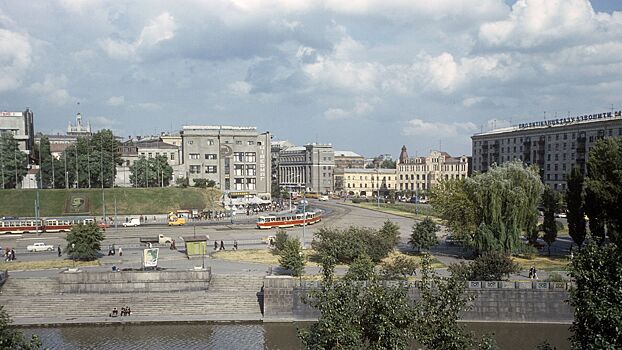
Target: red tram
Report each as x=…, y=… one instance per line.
x=288, y=220
x=31, y=225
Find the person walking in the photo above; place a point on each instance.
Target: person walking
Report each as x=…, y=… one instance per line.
x=59, y=252
x=215, y=245
x=120, y=251
x=222, y=245
x=235, y=245
x=535, y=273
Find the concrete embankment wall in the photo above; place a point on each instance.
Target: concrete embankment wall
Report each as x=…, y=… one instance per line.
x=533, y=302
x=134, y=281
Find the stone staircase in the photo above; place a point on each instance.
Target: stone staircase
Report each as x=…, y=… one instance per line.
x=36, y=301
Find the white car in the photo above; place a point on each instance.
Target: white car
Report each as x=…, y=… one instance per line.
x=560, y=215
x=323, y=198
x=40, y=247
x=132, y=223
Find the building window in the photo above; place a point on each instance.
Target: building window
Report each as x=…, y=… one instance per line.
x=238, y=184
x=195, y=169
x=250, y=143
x=227, y=183
x=238, y=142
x=250, y=170
x=251, y=183
x=210, y=142
x=210, y=156
x=190, y=155
x=150, y=155
x=190, y=142
x=250, y=157
x=211, y=169
x=238, y=156
x=238, y=170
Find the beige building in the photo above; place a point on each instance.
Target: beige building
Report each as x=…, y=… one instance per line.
x=348, y=159
x=308, y=168
x=366, y=182
x=423, y=173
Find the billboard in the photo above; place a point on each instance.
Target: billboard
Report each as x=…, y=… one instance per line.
x=150, y=257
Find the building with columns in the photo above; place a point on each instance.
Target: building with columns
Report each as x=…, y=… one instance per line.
x=423, y=173
x=308, y=168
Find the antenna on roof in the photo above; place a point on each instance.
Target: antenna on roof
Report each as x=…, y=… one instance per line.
x=544, y=115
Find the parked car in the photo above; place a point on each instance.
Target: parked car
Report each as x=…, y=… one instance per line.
x=561, y=215
x=132, y=223
x=39, y=247
x=177, y=222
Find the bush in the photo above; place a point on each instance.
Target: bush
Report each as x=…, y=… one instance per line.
x=525, y=251
x=424, y=234
x=359, y=200
x=292, y=258
x=345, y=245
x=492, y=266
x=399, y=268
x=361, y=269
x=279, y=240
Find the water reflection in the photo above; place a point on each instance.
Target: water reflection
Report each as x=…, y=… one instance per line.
x=281, y=336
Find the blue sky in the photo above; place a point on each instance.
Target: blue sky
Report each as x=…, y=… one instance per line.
x=367, y=76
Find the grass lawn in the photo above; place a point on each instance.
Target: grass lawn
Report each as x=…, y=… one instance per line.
x=261, y=256
x=543, y=263
x=128, y=200
x=45, y=264
x=400, y=209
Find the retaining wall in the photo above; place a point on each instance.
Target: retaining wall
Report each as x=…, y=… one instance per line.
x=501, y=301
x=134, y=281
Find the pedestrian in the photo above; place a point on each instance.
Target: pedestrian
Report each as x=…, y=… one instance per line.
x=535, y=273
x=235, y=245
x=120, y=251
x=215, y=245
x=154, y=219
x=126, y=219
x=222, y=245
x=59, y=252
x=531, y=272
x=12, y=254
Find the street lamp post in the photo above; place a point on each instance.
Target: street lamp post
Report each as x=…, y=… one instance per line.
x=73, y=254
x=304, y=218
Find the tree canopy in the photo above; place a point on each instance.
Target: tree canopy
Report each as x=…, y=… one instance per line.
x=151, y=172
x=576, y=208
x=424, y=234
x=11, y=338
x=550, y=202
x=84, y=241
x=13, y=162
x=506, y=199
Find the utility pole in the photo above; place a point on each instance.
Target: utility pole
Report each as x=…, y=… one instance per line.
x=88, y=159
x=66, y=173
x=15, y=165
x=77, y=173
x=101, y=156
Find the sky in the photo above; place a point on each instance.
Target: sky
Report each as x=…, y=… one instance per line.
x=365, y=75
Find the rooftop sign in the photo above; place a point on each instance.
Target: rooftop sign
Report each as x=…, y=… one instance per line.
x=11, y=114
x=570, y=120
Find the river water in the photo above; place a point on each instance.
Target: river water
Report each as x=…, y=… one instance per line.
x=279, y=336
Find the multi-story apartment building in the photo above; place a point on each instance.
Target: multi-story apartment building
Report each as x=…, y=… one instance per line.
x=21, y=126
x=307, y=168
x=236, y=158
x=348, y=159
x=423, y=173
x=555, y=146
x=131, y=151
x=365, y=182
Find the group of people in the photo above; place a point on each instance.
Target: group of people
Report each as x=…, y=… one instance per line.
x=533, y=273
x=125, y=311
x=9, y=254
x=222, y=245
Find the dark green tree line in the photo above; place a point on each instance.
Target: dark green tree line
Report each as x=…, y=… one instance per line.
x=151, y=172
x=576, y=207
x=13, y=162
x=550, y=202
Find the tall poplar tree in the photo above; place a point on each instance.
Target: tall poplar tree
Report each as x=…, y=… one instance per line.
x=576, y=208
x=13, y=162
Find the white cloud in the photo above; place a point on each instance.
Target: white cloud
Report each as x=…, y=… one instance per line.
x=240, y=88
x=420, y=127
x=360, y=108
x=149, y=106
x=15, y=59
x=159, y=29
x=52, y=89
x=116, y=100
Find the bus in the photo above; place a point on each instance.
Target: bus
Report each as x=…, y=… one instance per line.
x=31, y=225
x=315, y=195
x=288, y=220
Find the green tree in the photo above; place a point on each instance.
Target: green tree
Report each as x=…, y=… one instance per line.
x=604, y=170
x=345, y=245
x=151, y=172
x=491, y=266
x=280, y=239
x=45, y=175
x=182, y=182
x=441, y=304
x=390, y=233
x=597, y=297
x=424, y=234
x=13, y=162
x=361, y=269
x=388, y=164
x=11, y=338
x=576, y=209
x=550, y=202
x=452, y=202
x=84, y=241
x=355, y=317
x=291, y=257
x=506, y=198
x=596, y=214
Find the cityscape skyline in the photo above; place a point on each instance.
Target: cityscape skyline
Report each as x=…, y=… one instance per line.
x=403, y=73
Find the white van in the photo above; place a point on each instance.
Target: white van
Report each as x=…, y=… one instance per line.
x=132, y=223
